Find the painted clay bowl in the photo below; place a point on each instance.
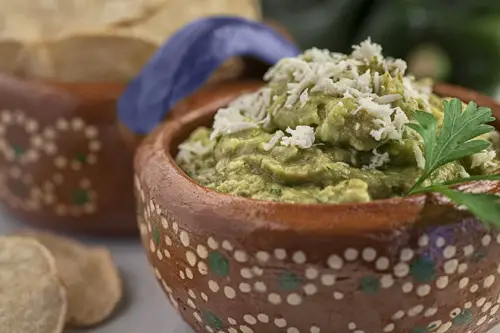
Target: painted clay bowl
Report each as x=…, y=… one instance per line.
x=66, y=158
x=65, y=161
x=232, y=264
x=63, y=164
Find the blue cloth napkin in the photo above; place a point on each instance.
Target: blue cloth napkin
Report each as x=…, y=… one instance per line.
x=186, y=61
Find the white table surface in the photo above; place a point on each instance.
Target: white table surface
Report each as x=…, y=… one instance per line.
x=145, y=308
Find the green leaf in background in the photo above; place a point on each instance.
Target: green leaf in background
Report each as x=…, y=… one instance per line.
x=319, y=23
x=460, y=37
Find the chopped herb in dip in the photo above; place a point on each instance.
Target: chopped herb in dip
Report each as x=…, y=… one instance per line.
x=327, y=128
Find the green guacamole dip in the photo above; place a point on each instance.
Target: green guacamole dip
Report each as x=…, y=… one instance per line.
x=326, y=128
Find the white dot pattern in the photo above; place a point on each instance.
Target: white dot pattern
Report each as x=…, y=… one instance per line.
x=317, y=279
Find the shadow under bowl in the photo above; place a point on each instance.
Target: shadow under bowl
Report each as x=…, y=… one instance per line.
x=232, y=264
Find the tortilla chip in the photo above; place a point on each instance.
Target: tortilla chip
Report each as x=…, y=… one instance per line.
x=91, y=278
x=175, y=14
x=33, y=299
x=55, y=18
x=99, y=40
x=90, y=58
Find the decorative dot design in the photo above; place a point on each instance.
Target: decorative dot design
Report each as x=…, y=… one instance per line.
x=290, y=281
x=335, y=262
x=235, y=275
x=229, y=292
x=262, y=256
x=23, y=141
x=218, y=263
x=312, y=273
x=382, y=263
x=369, y=254
x=280, y=254
x=351, y=254
x=299, y=257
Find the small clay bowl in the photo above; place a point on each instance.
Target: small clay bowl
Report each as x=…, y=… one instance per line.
x=65, y=161
x=66, y=158
x=232, y=264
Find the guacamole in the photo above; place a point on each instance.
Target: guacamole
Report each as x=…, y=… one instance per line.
x=326, y=128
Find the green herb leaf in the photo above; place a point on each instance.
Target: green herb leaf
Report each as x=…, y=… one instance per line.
x=455, y=140
x=485, y=206
x=472, y=179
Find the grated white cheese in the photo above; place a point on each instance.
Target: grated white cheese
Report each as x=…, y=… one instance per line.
x=483, y=158
x=388, y=128
x=357, y=126
x=367, y=51
x=254, y=105
x=245, y=112
x=376, y=82
x=377, y=160
x=190, y=150
x=230, y=120
x=375, y=109
x=301, y=136
x=320, y=55
x=400, y=120
x=398, y=65
x=387, y=99
x=335, y=74
x=304, y=97
x=363, y=82
x=419, y=155
x=413, y=91
x=274, y=140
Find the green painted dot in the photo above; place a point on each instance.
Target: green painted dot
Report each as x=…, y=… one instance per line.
x=218, y=263
x=212, y=320
x=81, y=197
x=81, y=157
x=423, y=270
x=20, y=189
x=370, y=284
x=289, y=281
x=479, y=255
x=156, y=234
x=432, y=326
x=18, y=150
x=465, y=317
x=419, y=330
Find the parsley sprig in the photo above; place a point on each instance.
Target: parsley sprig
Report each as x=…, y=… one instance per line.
x=457, y=139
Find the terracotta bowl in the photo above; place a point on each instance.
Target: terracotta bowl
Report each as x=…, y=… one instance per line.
x=236, y=265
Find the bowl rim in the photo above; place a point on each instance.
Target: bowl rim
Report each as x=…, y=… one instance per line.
x=385, y=213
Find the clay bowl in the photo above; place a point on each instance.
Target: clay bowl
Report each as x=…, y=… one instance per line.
x=65, y=161
x=231, y=264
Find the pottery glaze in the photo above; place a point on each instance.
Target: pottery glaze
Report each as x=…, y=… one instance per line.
x=231, y=264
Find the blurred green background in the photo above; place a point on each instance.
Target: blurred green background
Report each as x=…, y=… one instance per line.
x=456, y=41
